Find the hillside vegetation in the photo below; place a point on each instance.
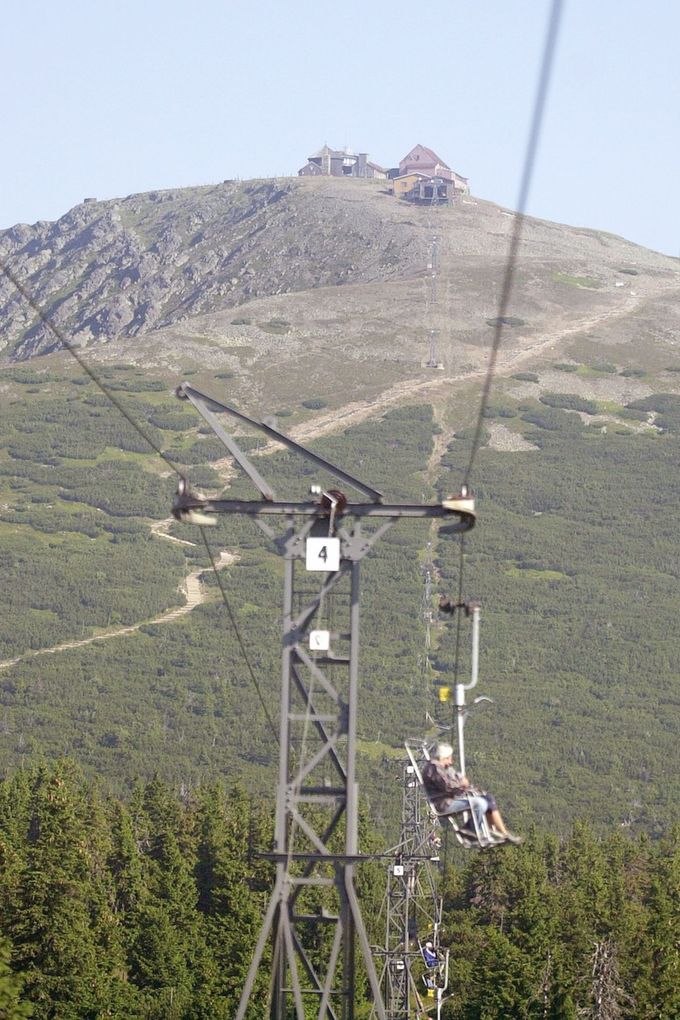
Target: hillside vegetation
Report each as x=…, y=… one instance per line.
x=130, y=727
x=575, y=563
x=574, y=557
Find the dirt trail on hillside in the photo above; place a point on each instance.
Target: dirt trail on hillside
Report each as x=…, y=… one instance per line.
x=161, y=528
x=508, y=360
x=192, y=588
x=342, y=418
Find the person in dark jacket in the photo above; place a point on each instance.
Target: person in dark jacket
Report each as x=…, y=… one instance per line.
x=450, y=792
x=430, y=955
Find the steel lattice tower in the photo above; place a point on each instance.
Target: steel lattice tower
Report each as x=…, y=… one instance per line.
x=412, y=906
x=313, y=920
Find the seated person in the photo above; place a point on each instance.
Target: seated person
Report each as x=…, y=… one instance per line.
x=450, y=793
x=429, y=955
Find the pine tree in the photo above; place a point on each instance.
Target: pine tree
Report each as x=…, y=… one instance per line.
x=230, y=907
x=54, y=924
x=15, y=798
x=529, y=898
x=12, y=1006
x=125, y=864
x=557, y=1002
x=657, y=991
x=608, y=1000
x=166, y=937
x=582, y=905
x=504, y=981
x=121, y=997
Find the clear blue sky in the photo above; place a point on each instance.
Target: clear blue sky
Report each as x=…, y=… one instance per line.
x=108, y=98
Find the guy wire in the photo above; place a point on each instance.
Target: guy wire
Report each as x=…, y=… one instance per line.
x=45, y=319
x=540, y=102
x=549, y=50
x=232, y=618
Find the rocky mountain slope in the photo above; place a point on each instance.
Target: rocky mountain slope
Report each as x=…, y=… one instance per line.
x=121, y=268
x=126, y=268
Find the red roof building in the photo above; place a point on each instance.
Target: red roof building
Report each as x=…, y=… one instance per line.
x=425, y=161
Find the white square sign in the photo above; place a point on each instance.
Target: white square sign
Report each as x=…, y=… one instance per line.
x=323, y=554
x=319, y=640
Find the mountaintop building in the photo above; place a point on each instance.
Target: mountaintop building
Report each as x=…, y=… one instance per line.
x=340, y=163
x=422, y=176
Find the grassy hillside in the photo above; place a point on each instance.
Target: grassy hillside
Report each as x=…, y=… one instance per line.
x=575, y=560
x=577, y=565
x=575, y=556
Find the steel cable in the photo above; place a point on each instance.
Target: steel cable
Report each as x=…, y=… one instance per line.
x=540, y=101
x=241, y=645
x=45, y=319
x=542, y=88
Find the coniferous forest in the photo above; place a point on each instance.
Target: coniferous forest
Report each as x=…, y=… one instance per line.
x=149, y=909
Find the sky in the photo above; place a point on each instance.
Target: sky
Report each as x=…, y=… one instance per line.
x=110, y=98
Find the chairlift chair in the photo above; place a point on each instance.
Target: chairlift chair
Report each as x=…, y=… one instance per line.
x=466, y=829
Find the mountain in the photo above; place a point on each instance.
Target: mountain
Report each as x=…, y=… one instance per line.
x=121, y=268
x=128, y=268
x=313, y=299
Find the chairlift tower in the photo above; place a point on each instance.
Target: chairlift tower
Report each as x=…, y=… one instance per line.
x=323, y=541
x=427, y=612
x=433, y=267
x=412, y=910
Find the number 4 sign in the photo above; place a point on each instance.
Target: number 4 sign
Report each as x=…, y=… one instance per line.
x=323, y=554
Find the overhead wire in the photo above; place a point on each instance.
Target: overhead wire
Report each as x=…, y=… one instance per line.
x=58, y=333
x=542, y=88
x=87, y=369
x=232, y=618
x=533, y=139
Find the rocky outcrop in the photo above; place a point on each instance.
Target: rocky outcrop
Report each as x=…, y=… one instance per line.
x=119, y=268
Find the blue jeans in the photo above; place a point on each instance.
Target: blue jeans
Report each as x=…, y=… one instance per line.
x=479, y=806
